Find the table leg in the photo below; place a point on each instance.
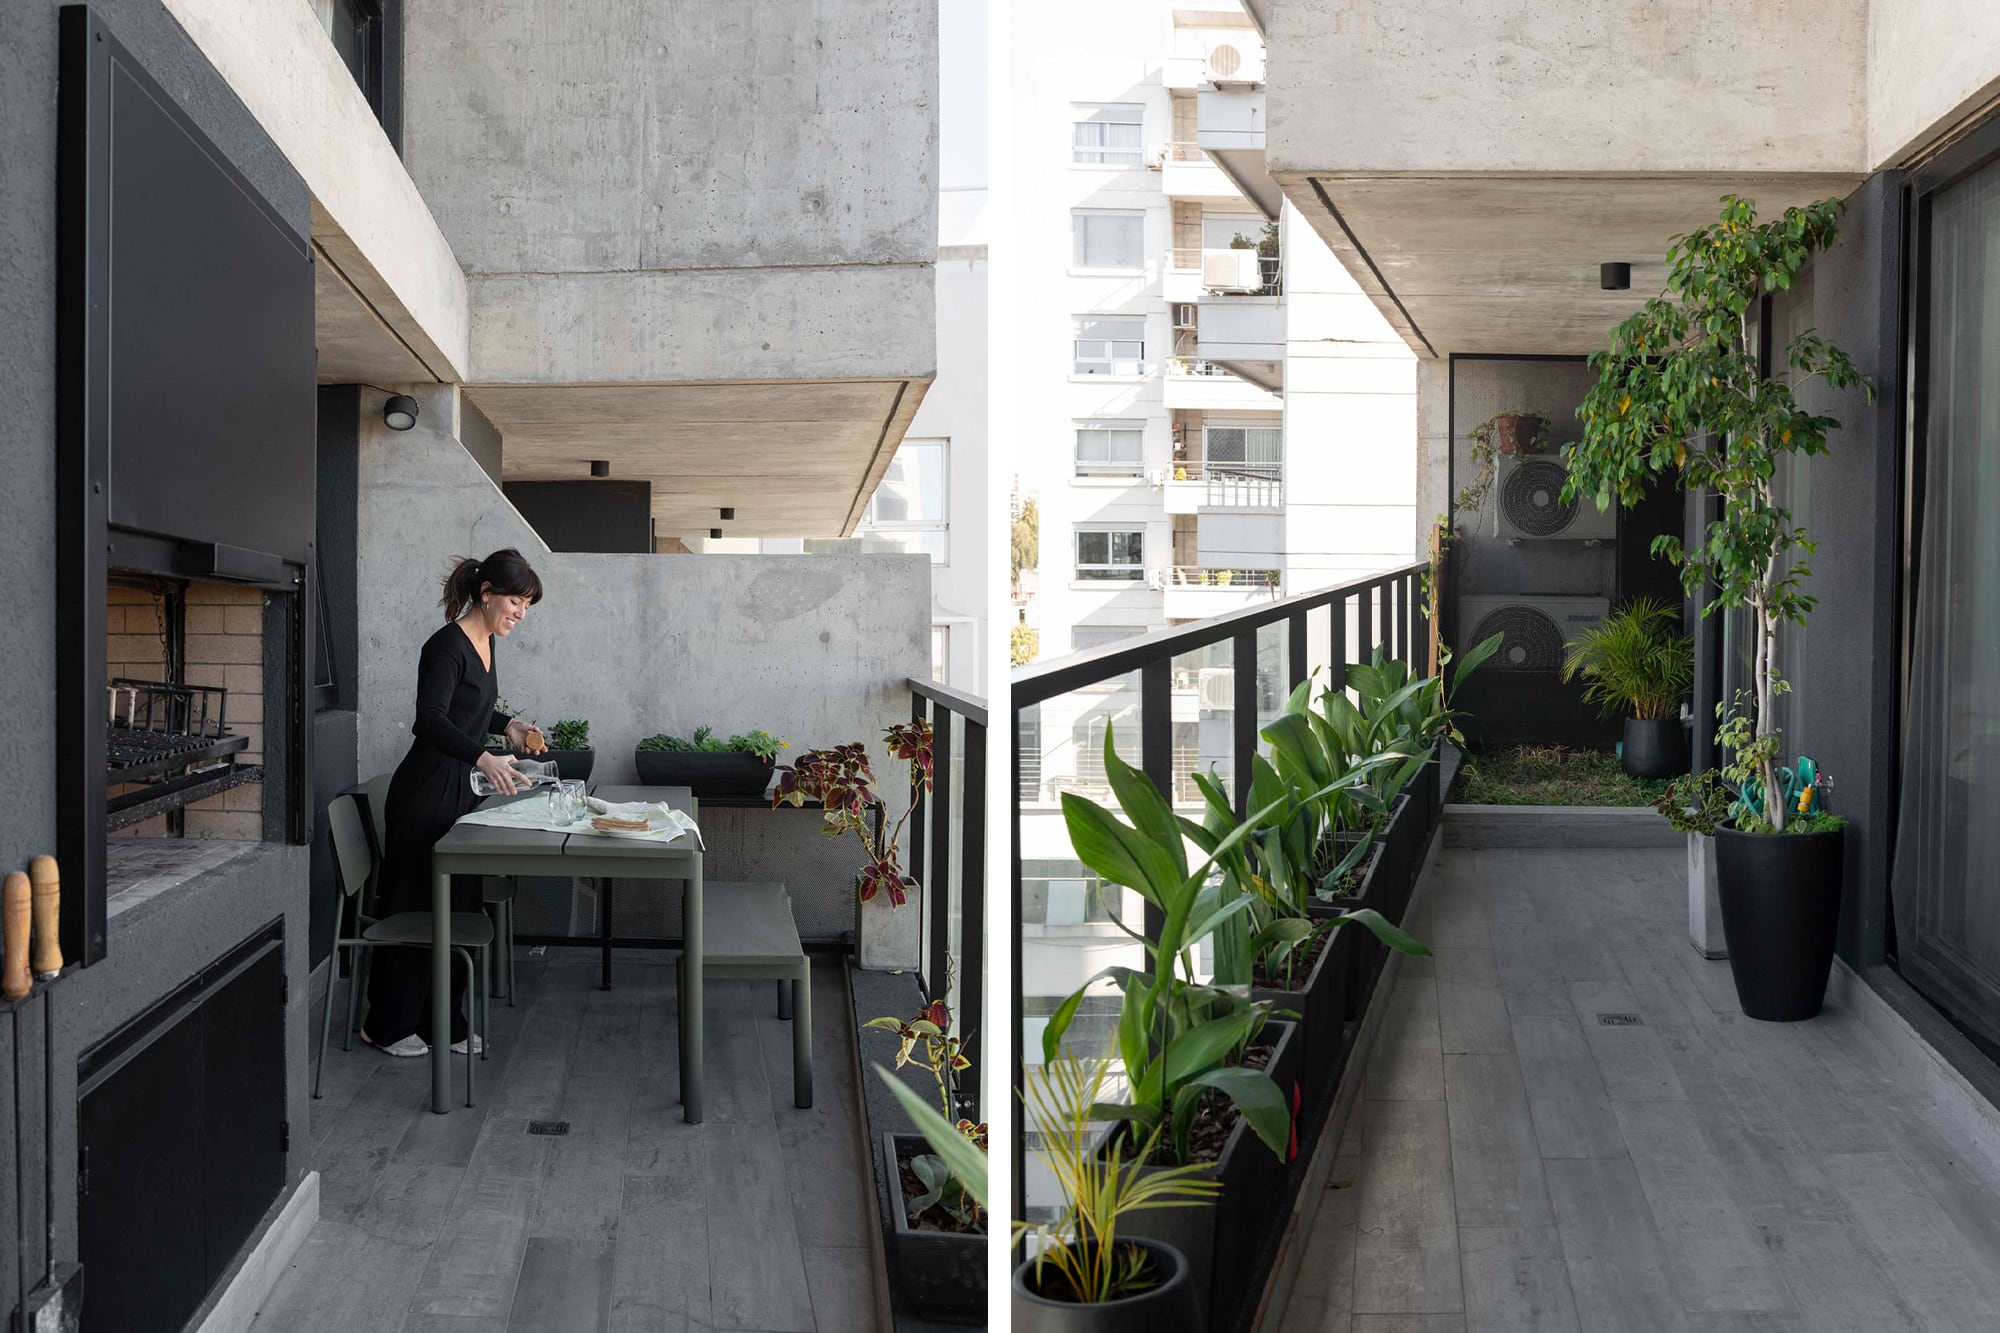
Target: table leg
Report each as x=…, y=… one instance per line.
x=604, y=925
x=441, y=993
x=691, y=969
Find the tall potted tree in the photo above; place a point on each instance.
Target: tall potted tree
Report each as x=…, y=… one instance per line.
x=1681, y=392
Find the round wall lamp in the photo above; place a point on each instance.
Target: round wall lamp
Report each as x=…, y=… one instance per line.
x=1614, y=277
x=400, y=412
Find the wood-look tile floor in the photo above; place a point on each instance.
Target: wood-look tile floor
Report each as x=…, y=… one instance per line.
x=1517, y=1164
x=756, y=1219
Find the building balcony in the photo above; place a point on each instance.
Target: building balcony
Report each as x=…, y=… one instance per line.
x=1194, y=592
x=1230, y=132
x=1204, y=385
x=1186, y=172
x=1245, y=335
x=1194, y=489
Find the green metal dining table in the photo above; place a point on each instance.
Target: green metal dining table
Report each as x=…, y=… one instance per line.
x=483, y=849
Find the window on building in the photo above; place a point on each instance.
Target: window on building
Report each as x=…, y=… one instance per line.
x=1110, y=554
x=1108, y=238
x=367, y=36
x=1097, y=636
x=1110, y=346
x=1028, y=751
x=1109, y=135
x=1110, y=448
x=1065, y=893
x=1254, y=451
x=909, y=512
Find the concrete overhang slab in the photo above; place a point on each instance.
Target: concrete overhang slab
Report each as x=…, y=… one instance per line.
x=795, y=459
x=1486, y=263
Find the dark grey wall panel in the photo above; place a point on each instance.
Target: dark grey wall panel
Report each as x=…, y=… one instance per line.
x=587, y=515
x=480, y=437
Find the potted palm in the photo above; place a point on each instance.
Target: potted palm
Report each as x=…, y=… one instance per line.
x=888, y=911
x=1085, y=1271
x=569, y=747
x=739, y=766
x=1681, y=392
x=1637, y=663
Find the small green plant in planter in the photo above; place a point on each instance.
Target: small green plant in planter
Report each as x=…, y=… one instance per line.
x=1681, y=393
x=1637, y=663
x=1084, y=1266
x=713, y=767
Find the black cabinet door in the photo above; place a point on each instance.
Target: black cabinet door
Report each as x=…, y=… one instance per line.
x=243, y=1091
x=139, y=1214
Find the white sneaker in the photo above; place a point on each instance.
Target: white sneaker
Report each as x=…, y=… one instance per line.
x=408, y=1047
x=478, y=1046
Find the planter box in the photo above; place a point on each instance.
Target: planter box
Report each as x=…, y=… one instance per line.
x=1359, y=955
x=1704, y=903
x=574, y=765
x=1320, y=1028
x=888, y=938
x=941, y=1275
x=1224, y=1239
x=1547, y=826
x=709, y=773
x=1168, y=1304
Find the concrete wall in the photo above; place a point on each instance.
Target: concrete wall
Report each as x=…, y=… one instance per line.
x=1930, y=62
x=1570, y=86
x=1350, y=423
x=816, y=649
x=111, y=991
x=369, y=217
x=673, y=192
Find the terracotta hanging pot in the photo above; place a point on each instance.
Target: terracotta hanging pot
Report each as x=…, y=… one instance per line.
x=1516, y=433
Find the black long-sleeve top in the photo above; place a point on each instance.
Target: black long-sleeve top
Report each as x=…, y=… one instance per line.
x=455, y=696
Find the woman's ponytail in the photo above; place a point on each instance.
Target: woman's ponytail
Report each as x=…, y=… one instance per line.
x=505, y=572
x=461, y=587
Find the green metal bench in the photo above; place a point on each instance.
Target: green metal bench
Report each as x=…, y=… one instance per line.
x=749, y=934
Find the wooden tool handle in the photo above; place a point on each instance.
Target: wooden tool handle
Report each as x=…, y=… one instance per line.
x=47, y=881
x=14, y=978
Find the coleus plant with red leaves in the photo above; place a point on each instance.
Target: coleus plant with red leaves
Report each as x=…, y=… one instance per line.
x=842, y=780
x=944, y=1055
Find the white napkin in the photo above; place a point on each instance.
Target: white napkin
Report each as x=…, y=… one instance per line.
x=663, y=822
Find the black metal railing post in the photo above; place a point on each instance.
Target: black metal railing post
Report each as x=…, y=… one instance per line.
x=1156, y=744
x=1243, y=732
x=920, y=710
x=972, y=904
x=937, y=896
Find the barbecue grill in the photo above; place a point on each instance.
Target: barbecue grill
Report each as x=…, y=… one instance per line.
x=174, y=743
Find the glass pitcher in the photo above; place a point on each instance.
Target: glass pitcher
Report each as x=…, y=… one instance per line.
x=532, y=773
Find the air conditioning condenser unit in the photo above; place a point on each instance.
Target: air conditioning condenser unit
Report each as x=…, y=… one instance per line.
x=1528, y=504
x=1537, y=628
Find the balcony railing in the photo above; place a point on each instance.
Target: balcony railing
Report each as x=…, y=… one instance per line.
x=1197, y=576
x=1182, y=152
x=1191, y=259
x=1186, y=367
x=1269, y=650
x=948, y=856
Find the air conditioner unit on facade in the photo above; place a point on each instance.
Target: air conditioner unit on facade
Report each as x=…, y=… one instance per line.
x=1229, y=65
x=1536, y=627
x=1184, y=315
x=1231, y=271
x=1217, y=686
x=1528, y=504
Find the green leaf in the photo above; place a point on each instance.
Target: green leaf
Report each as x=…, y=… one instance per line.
x=965, y=1160
x=1259, y=1099
x=1116, y=851
x=1382, y=929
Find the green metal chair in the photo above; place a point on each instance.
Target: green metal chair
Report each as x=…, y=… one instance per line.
x=496, y=892
x=354, y=861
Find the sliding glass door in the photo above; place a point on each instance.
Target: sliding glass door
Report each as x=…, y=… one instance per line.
x=1946, y=878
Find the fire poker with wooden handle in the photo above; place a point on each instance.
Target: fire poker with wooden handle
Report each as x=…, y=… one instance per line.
x=47, y=881
x=15, y=980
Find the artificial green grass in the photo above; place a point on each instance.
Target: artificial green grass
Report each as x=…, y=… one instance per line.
x=1550, y=775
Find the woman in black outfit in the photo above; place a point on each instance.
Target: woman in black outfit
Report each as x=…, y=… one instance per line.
x=457, y=683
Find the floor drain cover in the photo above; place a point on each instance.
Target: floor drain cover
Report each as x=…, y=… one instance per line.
x=552, y=1127
x=1621, y=1020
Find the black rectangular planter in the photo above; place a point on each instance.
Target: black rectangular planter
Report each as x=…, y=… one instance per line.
x=941, y=1276
x=1224, y=1240
x=1360, y=954
x=1320, y=1004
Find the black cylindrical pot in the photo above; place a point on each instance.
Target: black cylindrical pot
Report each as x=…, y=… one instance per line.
x=574, y=765
x=1167, y=1304
x=1654, y=747
x=1780, y=911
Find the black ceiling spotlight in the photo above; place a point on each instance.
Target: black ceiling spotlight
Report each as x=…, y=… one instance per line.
x=600, y=467
x=1614, y=277
x=715, y=534
x=400, y=412
x=727, y=514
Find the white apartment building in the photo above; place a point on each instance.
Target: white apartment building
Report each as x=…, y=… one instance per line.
x=1200, y=425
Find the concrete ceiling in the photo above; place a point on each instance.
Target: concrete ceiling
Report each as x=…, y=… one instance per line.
x=356, y=346
x=794, y=459
x=1465, y=263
